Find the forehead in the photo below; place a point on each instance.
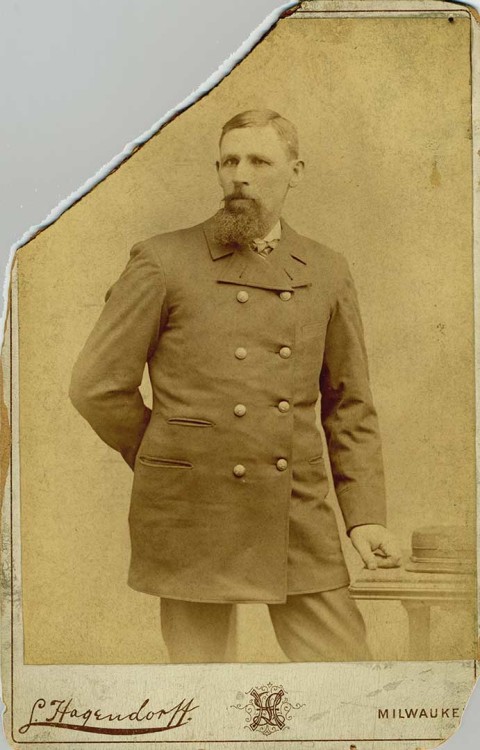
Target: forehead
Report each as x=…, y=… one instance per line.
x=254, y=139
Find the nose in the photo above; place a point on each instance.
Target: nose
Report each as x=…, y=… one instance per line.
x=242, y=174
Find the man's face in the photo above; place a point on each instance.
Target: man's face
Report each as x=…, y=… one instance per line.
x=255, y=172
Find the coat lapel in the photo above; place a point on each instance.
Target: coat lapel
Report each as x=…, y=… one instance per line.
x=285, y=269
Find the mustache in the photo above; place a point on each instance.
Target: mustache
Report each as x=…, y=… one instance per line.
x=237, y=194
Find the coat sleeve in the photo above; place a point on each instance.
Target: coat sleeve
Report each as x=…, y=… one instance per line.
x=105, y=381
x=348, y=415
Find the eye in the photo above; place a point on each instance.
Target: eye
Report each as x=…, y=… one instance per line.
x=257, y=160
x=230, y=162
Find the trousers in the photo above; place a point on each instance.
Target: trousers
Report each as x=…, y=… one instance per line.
x=322, y=626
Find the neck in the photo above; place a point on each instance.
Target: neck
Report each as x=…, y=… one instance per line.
x=272, y=220
x=272, y=224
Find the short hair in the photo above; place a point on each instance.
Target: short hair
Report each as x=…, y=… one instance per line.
x=261, y=118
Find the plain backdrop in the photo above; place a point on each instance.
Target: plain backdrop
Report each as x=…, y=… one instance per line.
x=80, y=79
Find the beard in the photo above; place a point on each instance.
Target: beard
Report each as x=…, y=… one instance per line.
x=240, y=221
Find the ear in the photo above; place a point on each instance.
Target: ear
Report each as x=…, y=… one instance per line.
x=217, y=166
x=297, y=173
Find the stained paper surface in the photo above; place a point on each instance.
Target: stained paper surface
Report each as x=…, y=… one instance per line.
x=382, y=99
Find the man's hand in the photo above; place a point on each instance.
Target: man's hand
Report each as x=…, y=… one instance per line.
x=376, y=546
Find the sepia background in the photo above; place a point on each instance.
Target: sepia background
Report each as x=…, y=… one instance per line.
x=383, y=111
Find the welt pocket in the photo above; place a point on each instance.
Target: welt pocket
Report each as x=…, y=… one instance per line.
x=165, y=463
x=312, y=330
x=316, y=459
x=190, y=422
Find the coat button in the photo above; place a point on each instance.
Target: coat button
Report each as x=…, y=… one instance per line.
x=240, y=353
x=239, y=470
x=284, y=352
x=242, y=296
x=282, y=464
x=240, y=410
x=285, y=296
x=283, y=406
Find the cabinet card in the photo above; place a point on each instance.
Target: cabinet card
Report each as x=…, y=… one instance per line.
x=238, y=419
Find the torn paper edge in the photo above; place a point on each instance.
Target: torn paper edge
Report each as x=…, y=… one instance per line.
x=204, y=88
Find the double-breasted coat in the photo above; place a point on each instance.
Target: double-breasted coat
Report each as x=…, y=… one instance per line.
x=229, y=488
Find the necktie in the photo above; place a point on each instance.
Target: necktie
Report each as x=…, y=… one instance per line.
x=264, y=247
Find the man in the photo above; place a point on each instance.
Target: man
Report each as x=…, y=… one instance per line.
x=242, y=322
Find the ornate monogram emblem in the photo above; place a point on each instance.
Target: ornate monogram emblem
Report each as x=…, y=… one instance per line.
x=268, y=709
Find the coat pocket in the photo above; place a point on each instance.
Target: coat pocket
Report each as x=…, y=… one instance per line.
x=311, y=478
x=190, y=422
x=164, y=463
x=313, y=330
